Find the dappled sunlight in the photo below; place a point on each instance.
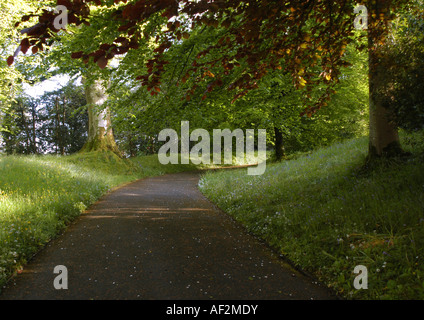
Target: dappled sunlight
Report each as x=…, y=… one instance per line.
x=141, y=212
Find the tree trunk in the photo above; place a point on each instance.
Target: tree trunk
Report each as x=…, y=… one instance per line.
x=279, y=146
x=59, y=144
x=383, y=134
x=28, y=135
x=34, y=131
x=100, y=133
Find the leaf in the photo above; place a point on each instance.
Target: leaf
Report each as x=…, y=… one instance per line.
x=25, y=45
x=102, y=62
x=10, y=60
x=120, y=40
x=105, y=46
x=65, y=3
x=25, y=18
x=77, y=55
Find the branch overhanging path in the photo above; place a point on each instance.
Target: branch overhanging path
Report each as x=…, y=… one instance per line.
x=160, y=238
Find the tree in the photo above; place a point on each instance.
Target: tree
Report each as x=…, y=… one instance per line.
x=100, y=133
x=10, y=77
x=275, y=105
x=63, y=120
x=404, y=71
x=59, y=60
x=297, y=36
x=53, y=123
x=20, y=130
x=384, y=137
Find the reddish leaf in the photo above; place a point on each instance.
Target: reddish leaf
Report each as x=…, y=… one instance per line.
x=120, y=40
x=85, y=58
x=102, y=62
x=98, y=54
x=134, y=44
x=65, y=3
x=25, y=45
x=105, y=46
x=77, y=55
x=10, y=60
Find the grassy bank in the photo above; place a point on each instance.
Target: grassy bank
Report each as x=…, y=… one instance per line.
x=327, y=214
x=41, y=195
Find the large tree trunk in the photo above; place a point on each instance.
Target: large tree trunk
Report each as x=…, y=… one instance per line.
x=100, y=133
x=383, y=134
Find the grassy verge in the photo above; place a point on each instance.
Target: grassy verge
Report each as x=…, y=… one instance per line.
x=41, y=195
x=328, y=215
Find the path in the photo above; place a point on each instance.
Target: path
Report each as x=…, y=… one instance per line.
x=160, y=238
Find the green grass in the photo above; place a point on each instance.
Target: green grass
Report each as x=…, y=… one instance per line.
x=41, y=195
x=327, y=214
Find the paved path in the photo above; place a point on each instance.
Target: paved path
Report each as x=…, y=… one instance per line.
x=160, y=238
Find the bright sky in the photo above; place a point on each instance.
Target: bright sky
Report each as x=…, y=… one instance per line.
x=52, y=84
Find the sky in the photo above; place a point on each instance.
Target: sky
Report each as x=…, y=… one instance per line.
x=52, y=84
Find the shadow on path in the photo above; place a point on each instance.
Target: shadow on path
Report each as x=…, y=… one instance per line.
x=160, y=238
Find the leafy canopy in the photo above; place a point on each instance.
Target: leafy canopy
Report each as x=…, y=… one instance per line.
x=307, y=39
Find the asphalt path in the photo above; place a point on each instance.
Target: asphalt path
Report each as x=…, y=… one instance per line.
x=159, y=239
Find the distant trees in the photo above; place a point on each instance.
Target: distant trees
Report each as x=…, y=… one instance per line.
x=19, y=127
x=54, y=123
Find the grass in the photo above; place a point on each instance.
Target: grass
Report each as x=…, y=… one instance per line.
x=41, y=195
x=327, y=214
x=321, y=210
